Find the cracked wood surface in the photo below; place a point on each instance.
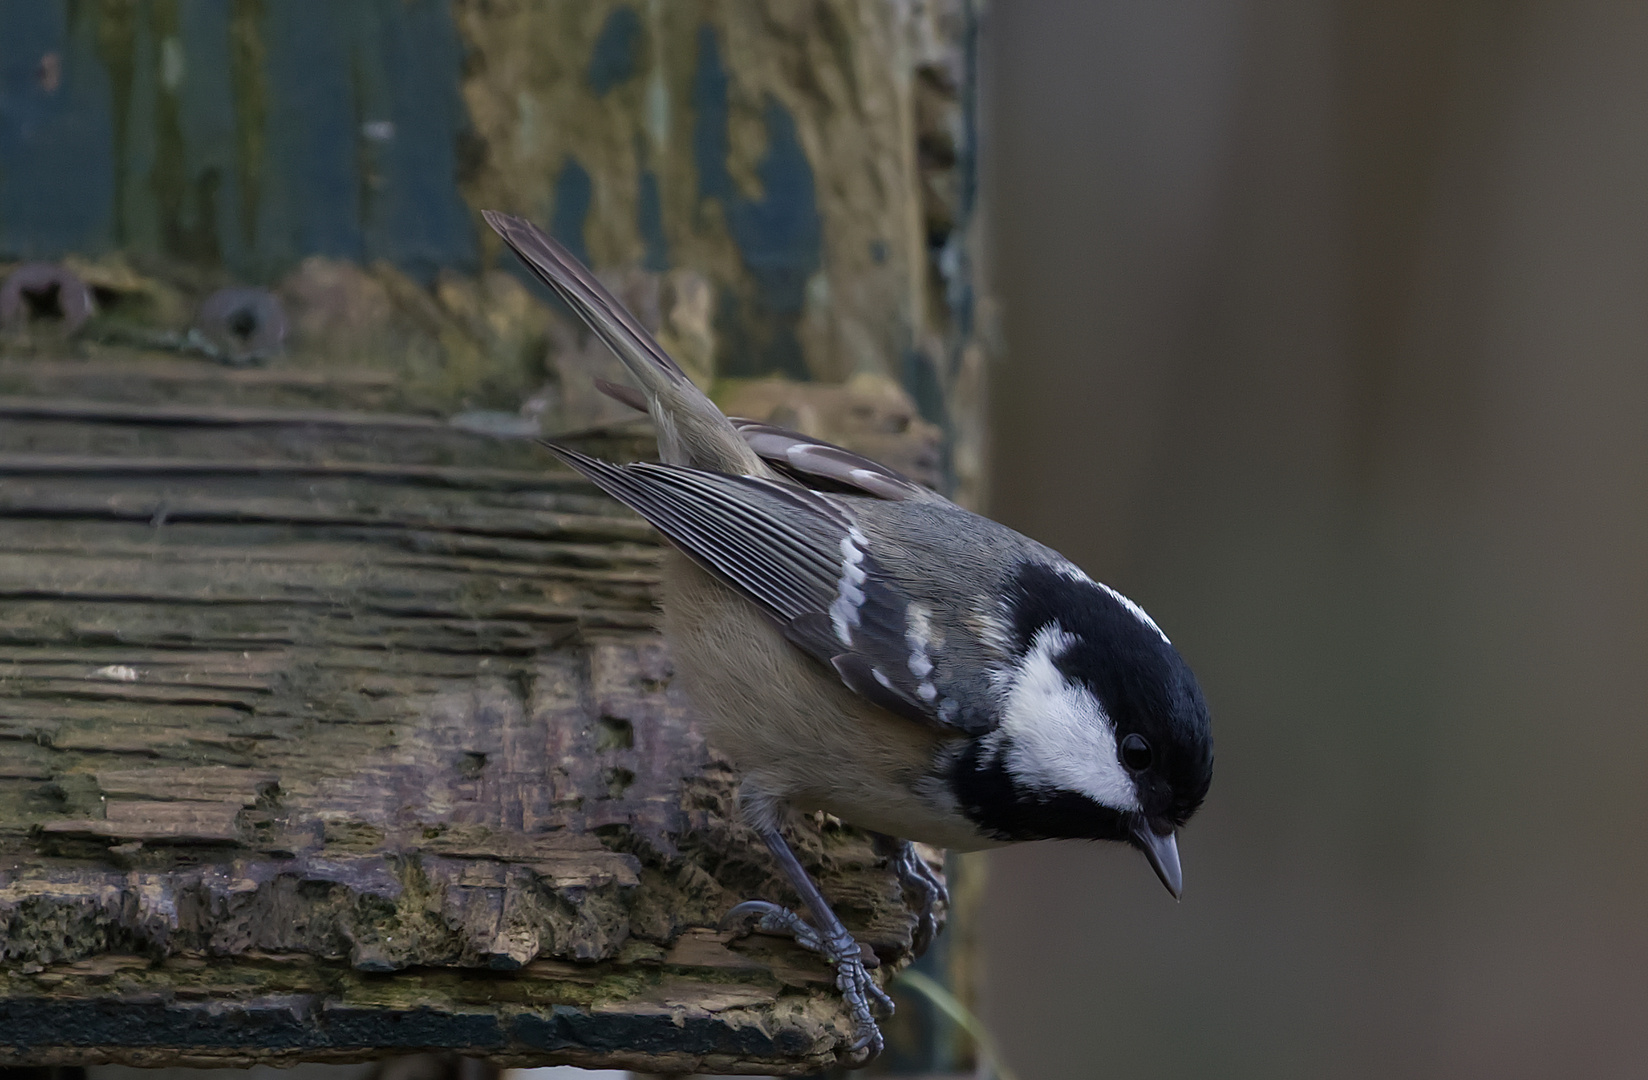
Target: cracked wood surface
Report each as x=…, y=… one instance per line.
x=325, y=735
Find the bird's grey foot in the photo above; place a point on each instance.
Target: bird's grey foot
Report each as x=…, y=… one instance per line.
x=852, y=970
x=828, y=939
x=918, y=880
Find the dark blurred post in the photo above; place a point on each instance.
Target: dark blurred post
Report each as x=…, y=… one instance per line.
x=1328, y=343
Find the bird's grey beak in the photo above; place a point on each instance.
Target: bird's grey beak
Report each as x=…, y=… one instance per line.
x=1163, y=853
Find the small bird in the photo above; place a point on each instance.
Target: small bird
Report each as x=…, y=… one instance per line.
x=862, y=646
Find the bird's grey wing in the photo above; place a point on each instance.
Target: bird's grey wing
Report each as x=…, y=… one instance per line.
x=801, y=558
x=817, y=463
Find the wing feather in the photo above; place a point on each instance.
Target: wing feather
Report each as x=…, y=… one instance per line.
x=815, y=462
x=800, y=557
x=778, y=549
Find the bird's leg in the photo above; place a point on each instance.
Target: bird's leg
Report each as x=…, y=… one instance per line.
x=826, y=937
x=917, y=878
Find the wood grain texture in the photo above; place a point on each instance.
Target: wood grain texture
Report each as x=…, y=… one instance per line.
x=327, y=734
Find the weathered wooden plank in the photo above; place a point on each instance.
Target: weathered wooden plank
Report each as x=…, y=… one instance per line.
x=275, y=731
x=374, y=719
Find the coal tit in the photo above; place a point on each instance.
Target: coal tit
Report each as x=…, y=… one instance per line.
x=860, y=645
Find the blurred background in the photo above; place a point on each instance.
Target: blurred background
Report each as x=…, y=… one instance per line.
x=1327, y=341
x=1323, y=335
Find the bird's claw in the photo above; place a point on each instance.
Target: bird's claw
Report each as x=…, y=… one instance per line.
x=928, y=887
x=859, y=991
x=851, y=961
x=758, y=916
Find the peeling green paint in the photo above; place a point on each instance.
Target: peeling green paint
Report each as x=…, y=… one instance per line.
x=116, y=30
x=242, y=134
x=778, y=235
x=614, y=58
x=167, y=180
x=250, y=87
x=573, y=192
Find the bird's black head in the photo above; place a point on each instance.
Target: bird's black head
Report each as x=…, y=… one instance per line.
x=1104, y=733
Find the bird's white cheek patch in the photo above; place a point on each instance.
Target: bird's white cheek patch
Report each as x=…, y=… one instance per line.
x=1059, y=736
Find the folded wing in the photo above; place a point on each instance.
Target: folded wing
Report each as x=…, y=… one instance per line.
x=800, y=558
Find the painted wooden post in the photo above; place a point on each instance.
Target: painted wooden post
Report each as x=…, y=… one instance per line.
x=333, y=721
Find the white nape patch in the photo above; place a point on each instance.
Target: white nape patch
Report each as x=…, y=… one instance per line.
x=1059, y=738
x=1074, y=573
x=918, y=634
x=849, y=591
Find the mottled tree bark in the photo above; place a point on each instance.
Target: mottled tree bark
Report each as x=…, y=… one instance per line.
x=334, y=721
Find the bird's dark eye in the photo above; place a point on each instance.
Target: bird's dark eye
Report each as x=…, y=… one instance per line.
x=1135, y=753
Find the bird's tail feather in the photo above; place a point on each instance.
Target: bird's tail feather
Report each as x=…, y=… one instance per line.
x=691, y=430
